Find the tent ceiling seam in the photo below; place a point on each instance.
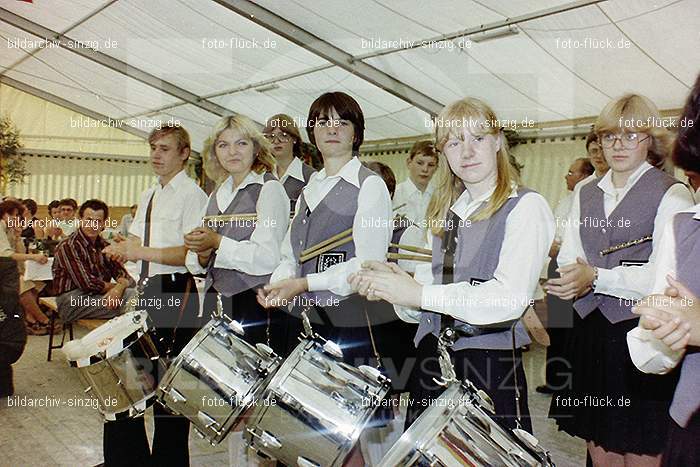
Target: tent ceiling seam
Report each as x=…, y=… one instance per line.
x=687, y=86
x=333, y=54
x=114, y=64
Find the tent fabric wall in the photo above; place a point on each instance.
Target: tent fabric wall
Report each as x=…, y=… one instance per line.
x=545, y=161
x=118, y=182
x=47, y=126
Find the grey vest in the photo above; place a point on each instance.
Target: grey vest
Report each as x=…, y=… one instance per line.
x=686, y=400
x=293, y=187
x=334, y=214
x=230, y=281
x=475, y=261
x=632, y=219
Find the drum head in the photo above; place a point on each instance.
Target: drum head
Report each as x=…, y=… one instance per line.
x=107, y=338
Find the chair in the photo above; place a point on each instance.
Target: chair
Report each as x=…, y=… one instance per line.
x=50, y=304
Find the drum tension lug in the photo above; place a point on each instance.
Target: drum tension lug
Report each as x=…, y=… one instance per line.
x=304, y=462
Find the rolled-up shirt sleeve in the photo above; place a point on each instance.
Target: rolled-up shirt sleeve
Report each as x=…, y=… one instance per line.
x=528, y=235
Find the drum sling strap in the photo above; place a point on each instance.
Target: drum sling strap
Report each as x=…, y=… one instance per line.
x=183, y=306
x=450, y=331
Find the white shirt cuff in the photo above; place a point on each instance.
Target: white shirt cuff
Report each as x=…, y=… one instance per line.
x=317, y=282
x=192, y=263
x=433, y=298
x=606, y=281
x=649, y=354
x=226, y=252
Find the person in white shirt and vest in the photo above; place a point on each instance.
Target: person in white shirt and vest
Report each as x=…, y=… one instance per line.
x=238, y=253
x=668, y=334
x=606, y=262
x=166, y=212
x=412, y=196
x=285, y=143
x=490, y=239
x=344, y=195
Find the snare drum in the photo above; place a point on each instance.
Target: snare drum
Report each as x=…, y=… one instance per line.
x=457, y=430
x=216, y=378
x=117, y=362
x=315, y=407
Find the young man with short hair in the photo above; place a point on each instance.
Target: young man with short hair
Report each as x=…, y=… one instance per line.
x=166, y=212
x=413, y=195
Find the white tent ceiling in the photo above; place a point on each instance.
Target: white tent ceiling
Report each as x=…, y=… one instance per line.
x=162, y=67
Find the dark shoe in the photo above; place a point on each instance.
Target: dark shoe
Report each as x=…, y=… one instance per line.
x=37, y=329
x=544, y=389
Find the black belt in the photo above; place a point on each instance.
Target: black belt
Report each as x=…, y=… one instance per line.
x=455, y=331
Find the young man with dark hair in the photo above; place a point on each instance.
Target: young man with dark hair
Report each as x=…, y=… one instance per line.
x=166, y=212
x=83, y=275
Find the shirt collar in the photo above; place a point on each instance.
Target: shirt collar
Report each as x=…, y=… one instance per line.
x=350, y=172
x=80, y=236
x=606, y=183
x=465, y=205
x=176, y=181
x=249, y=179
x=414, y=189
x=295, y=170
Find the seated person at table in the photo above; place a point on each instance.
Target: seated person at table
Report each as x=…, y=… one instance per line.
x=11, y=247
x=82, y=274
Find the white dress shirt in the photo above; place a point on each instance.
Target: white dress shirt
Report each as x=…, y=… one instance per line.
x=260, y=254
x=372, y=228
x=627, y=282
x=648, y=353
x=177, y=209
x=294, y=170
x=528, y=235
x=409, y=201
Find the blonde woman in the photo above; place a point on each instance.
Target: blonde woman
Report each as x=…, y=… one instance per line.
x=240, y=252
x=606, y=263
x=490, y=238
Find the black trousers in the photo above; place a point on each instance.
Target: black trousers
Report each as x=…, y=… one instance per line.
x=560, y=321
x=13, y=334
x=125, y=441
x=488, y=369
x=260, y=325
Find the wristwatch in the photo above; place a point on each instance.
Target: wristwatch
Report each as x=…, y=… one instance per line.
x=594, y=282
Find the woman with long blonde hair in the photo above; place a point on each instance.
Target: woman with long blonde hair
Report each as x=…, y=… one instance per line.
x=490, y=238
x=606, y=263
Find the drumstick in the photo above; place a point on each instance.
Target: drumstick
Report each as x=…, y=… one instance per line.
x=414, y=249
x=320, y=251
x=397, y=256
x=400, y=206
x=332, y=239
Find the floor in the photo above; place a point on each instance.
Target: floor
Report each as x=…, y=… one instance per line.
x=63, y=434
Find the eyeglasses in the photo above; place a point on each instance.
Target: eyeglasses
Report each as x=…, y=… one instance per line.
x=628, y=140
x=282, y=136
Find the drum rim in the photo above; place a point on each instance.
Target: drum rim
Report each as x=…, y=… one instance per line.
x=237, y=412
x=130, y=340
x=306, y=344
x=416, y=442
